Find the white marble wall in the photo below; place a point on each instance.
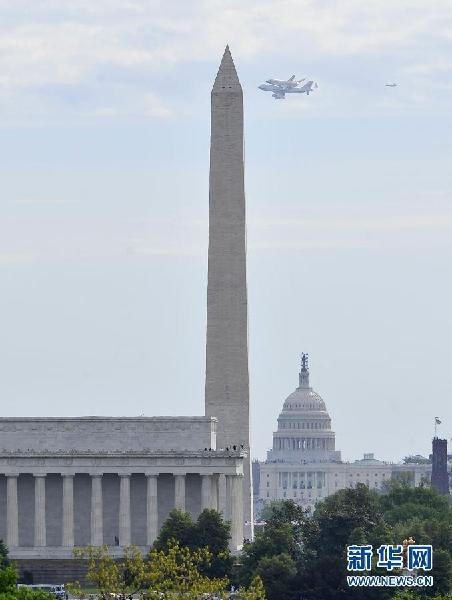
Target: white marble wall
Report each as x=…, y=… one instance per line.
x=107, y=434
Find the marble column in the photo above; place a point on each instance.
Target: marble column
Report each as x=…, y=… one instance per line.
x=234, y=500
x=40, y=509
x=206, y=491
x=151, y=509
x=68, y=510
x=97, y=535
x=216, y=491
x=227, y=506
x=179, y=492
x=12, y=511
x=125, y=536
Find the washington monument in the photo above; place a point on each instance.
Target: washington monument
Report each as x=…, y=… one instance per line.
x=227, y=380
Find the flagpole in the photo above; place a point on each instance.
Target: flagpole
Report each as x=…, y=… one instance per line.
x=437, y=422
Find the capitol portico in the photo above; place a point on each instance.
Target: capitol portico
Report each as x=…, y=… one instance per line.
x=68, y=482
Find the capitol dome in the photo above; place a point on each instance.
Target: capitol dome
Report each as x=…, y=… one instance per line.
x=304, y=426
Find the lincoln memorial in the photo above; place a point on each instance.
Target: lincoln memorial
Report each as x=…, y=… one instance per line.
x=97, y=480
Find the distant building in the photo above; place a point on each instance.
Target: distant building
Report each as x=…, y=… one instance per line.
x=440, y=478
x=303, y=464
x=304, y=427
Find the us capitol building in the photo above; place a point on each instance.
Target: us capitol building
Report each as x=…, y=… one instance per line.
x=304, y=465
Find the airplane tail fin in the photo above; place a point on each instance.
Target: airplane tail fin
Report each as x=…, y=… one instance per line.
x=307, y=87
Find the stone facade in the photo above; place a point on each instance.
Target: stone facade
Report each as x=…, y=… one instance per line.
x=106, y=434
x=95, y=480
x=307, y=483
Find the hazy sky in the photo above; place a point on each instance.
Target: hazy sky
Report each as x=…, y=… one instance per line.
x=104, y=153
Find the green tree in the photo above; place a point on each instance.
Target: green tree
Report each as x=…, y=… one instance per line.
x=208, y=531
x=176, y=572
x=402, y=503
x=9, y=590
x=409, y=595
x=441, y=573
x=274, y=540
x=103, y=572
x=426, y=516
x=278, y=574
x=256, y=590
x=416, y=459
x=178, y=526
x=179, y=572
x=350, y=516
x=316, y=546
x=4, y=562
x=211, y=531
x=343, y=514
x=26, y=594
x=287, y=512
x=276, y=551
x=8, y=581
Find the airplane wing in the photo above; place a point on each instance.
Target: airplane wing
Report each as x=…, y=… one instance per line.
x=292, y=78
x=279, y=95
x=304, y=89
